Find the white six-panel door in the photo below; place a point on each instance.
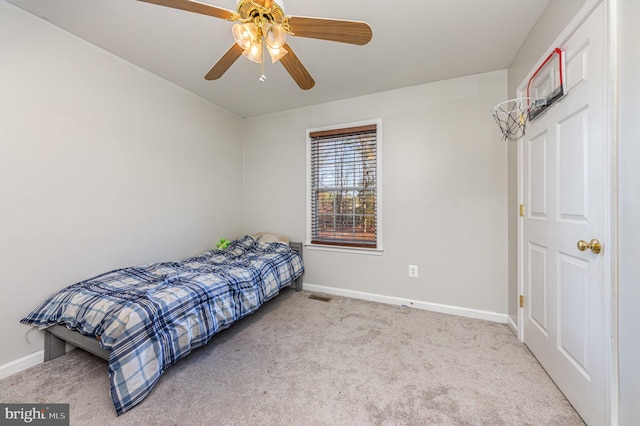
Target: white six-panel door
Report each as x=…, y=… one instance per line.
x=563, y=190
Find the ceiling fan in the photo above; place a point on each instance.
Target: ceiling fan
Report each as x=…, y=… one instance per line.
x=262, y=25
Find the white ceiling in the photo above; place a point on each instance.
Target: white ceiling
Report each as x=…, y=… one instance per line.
x=414, y=42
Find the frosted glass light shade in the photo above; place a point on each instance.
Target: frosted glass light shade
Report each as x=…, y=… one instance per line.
x=254, y=52
x=276, y=54
x=275, y=36
x=244, y=34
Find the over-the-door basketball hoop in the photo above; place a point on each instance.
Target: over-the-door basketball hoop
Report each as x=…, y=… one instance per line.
x=512, y=117
x=546, y=86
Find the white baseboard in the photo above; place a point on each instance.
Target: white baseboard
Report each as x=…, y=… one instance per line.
x=427, y=306
x=512, y=325
x=20, y=364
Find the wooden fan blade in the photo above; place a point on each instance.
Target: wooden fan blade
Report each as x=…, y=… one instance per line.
x=295, y=68
x=353, y=32
x=194, y=6
x=224, y=63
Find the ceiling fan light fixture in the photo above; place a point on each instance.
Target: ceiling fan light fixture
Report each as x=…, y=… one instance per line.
x=259, y=22
x=244, y=34
x=276, y=53
x=254, y=52
x=275, y=36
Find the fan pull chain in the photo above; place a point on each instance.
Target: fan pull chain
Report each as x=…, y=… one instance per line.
x=263, y=77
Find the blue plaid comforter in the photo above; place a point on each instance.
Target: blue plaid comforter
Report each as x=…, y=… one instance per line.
x=151, y=316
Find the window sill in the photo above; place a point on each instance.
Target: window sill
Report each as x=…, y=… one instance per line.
x=341, y=249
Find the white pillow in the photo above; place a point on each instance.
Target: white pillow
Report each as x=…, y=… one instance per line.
x=270, y=238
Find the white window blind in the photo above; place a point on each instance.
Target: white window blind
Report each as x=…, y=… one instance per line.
x=344, y=179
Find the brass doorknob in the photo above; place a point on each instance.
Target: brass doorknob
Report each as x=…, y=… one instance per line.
x=593, y=245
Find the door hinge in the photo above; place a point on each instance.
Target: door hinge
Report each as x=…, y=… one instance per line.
x=521, y=210
x=521, y=301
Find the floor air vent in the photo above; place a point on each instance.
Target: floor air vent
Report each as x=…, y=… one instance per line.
x=320, y=298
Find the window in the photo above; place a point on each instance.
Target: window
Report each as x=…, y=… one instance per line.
x=344, y=186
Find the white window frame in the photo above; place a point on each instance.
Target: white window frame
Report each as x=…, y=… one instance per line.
x=344, y=249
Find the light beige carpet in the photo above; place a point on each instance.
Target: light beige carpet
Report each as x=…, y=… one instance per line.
x=300, y=361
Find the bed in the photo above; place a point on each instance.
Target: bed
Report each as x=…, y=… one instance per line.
x=144, y=319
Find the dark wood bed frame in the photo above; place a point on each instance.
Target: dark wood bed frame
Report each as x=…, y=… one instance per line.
x=56, y=336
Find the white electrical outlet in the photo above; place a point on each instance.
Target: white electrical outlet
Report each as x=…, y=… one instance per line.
x=413, y=271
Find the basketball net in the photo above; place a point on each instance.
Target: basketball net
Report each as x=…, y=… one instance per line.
x=512, y=117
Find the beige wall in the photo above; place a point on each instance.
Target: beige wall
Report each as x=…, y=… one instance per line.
x=102, y=165
x=444, y=182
